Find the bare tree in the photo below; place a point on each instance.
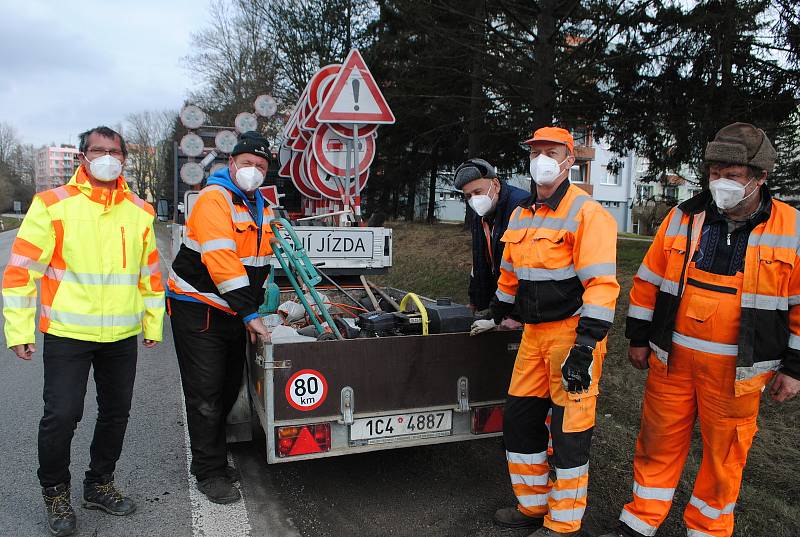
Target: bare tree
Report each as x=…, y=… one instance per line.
x=146, y=134
x=9, y=141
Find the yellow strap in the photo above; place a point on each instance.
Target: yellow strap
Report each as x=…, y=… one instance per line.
x=420, y=307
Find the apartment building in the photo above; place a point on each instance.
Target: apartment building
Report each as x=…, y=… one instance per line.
x=54, y=166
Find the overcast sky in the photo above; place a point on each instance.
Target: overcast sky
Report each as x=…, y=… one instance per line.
x=68, y=66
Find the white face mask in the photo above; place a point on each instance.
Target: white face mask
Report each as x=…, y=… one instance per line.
x=105, y=168
x=248, y=178
x=545, y=170
x=728, y=193
x=482, y=203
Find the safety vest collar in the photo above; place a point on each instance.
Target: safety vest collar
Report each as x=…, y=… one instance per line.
x=104, y=196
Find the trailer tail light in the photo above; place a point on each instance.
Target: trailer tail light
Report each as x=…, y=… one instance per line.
x=487, y=419
x=303, y=440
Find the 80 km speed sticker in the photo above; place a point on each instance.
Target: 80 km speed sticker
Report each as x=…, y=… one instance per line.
x=306, y=389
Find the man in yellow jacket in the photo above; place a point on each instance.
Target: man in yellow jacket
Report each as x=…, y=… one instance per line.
x=92, y=244
x=558, y=274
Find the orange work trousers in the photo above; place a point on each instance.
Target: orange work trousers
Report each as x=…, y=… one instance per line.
x=697, y=383
x=535, y=392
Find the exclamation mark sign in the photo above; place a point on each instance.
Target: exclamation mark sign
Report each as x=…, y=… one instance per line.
x=356, y=88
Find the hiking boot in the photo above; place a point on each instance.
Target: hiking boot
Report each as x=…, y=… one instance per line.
x=233, y=473
x=511, y=517
x=60, y=515
x=547, y=532
x=106, y=497
x=219, y=489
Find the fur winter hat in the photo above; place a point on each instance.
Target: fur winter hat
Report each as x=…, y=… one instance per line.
x=743, y=144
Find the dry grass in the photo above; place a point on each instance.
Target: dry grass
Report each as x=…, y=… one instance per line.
x=435, y=261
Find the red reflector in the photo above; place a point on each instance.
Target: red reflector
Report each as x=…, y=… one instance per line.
x=487, y=419
x=303, y=440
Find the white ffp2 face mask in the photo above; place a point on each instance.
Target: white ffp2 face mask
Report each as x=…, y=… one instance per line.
x=482, y=203
x=545, y=170
x=248, y=178
x=728, y=193
x=105, y=168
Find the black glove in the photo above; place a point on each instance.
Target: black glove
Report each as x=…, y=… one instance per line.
x=576, y=371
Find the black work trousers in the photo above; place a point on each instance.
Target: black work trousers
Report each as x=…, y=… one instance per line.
x=211, y=347
x=66, y=373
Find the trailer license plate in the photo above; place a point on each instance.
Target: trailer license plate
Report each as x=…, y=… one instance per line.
x=416, y=425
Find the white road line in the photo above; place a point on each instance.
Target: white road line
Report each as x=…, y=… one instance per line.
x=211, y=519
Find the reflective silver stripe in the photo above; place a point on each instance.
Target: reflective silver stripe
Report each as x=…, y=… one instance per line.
x=644, y=273
x=184, y=286
x=765, y=302
x=660, y=353
x=794, y=342
x=542, y=274
x=697, y=533
x=597, y=312
x=567, y=515
x=567, y=223
x=705, y=346
x=218, y=244
x=668, y=286
x=635, y=523
x=532, y=500
x=191, y=244
x=504, y=297
x=82, y=319
x=711, y=512
x=505, y=265
x=27, y=263
x=568, y=494
x=25, y=302
x=256, y=261
x=759, y=368
x=86, y=278
x=639, y=312
x=241, y=217
x=653, y=493
x=152, y=302
x=526, y=458
x=236, y=216
x=794, y=300
x=233, y=284
x=572, y=473
x=775, y=241
x=530, y=480
x=596, y=270
x=675, y=226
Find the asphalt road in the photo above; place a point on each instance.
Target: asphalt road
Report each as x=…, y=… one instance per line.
x=448, y=490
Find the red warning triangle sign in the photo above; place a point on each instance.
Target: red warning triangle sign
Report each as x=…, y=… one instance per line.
x=354, y=96
x=305, y=444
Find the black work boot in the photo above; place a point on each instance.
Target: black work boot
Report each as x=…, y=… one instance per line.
x=60, y=516
x=511, y=517
x=233, y=473
x=219, y=489
x=104, y=495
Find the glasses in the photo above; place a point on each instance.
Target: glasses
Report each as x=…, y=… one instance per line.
x=95, y=152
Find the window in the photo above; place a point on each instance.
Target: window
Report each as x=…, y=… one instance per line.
x=644, y=192
x=441, y=195
x=577, y=173
x=671, y=192
x=611, y=178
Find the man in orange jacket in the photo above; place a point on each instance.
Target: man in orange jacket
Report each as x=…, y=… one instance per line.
x=715, y=315
x=558, y=274
x=215, y=288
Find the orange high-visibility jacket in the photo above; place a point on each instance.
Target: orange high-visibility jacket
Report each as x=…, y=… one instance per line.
x=222, y=262
x=95, y=250
x=560, y=261
x=769, y=332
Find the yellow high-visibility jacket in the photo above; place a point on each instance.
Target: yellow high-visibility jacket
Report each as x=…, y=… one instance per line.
x=95, y=250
